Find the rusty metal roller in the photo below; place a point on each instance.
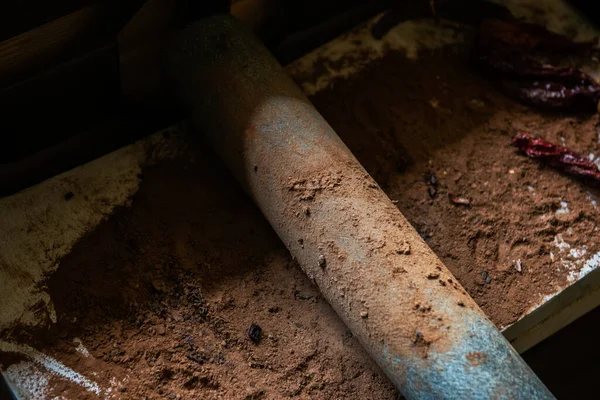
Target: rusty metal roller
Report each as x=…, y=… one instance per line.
x=388, y=286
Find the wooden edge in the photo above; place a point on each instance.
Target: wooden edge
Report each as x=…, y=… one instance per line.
x=556, y=313
x=57, y=41
x=17, y=17
x=297, y=44
x=103, y=139
x=38, y=49
x=61, y=102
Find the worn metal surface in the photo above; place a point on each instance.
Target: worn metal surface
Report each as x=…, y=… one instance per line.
x=383, y=280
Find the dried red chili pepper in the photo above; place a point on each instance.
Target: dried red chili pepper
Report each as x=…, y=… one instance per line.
x=557, y=156
x=581, y=97
x=506, y=48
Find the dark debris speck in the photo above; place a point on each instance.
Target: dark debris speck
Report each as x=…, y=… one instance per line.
x=322, y=261
x=432, y=182
x=432, y=192
x=254, y=333
x=433, y=275
x=431, y=179
x=486, y=277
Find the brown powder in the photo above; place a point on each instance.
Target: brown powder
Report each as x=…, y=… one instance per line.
x=406, y=120
x=163, y=293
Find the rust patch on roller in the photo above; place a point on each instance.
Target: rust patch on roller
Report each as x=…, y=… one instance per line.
x=476, y=358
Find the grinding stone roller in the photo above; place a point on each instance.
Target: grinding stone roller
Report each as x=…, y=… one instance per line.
x=391, y=290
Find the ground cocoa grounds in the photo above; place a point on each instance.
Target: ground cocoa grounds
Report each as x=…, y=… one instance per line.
x=407, y=120
x=162, y=294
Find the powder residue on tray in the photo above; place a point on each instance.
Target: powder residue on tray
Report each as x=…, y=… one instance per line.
x=158, y=300
x=404, y=119
x=358, y=48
